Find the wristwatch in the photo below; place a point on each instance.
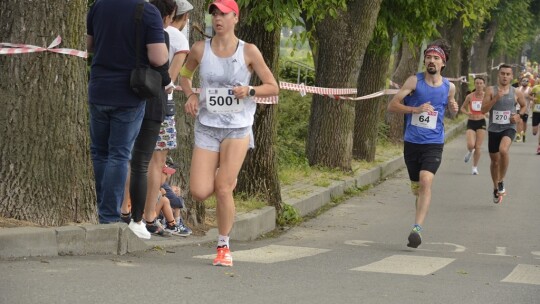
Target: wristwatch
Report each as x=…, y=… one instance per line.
x=251, y=91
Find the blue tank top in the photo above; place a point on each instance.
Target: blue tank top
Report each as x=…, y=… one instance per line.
x=438, y=96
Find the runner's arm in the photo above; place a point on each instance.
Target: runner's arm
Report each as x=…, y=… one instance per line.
x=452, y=104
x=465, y=105
x=489, y=100
x=396, y=104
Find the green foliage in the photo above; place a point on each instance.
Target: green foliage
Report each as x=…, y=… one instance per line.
x=292, y=127
x=289, y=72
x=416, y=21
x=515, y=27
x=289, y=216
x=274, y=13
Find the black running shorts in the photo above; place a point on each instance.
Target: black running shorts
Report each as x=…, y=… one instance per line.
x=536, y=119
x=476, y=124
x=420, y=157
x=495, y=138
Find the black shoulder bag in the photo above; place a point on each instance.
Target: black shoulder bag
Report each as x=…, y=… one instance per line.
x=144, y=81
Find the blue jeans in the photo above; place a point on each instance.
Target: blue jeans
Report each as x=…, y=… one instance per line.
x=112, y=132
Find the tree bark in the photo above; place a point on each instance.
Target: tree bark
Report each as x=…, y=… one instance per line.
x=453, y=33
x=259, y=174
x=372, y=77
x=408, y=65
x=196, y=211
x=465, y=66
x=342, y=44
x=480, y=60
x=45, y=170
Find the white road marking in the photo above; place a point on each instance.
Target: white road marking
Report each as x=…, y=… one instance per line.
x=270, y=254
x=523, y=273
x=358, y=243
x=407, y=264
x=458, y=248
x=500, y=251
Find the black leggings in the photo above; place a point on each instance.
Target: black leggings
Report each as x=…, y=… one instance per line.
x=140, y=158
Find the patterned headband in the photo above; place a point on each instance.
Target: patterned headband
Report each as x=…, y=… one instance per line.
x=437, y=50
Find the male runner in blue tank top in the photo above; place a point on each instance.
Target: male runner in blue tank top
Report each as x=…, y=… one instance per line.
x=500, y=101
x=423, y=99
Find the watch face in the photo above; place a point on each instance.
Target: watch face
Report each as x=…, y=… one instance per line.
x=252, y=92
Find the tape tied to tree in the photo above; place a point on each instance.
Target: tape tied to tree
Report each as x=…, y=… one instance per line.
x=12, y=49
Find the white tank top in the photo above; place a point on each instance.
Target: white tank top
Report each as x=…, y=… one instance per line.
x=216, y=73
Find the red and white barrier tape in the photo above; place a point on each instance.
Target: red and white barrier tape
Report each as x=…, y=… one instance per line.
x=315, y=90
x=11, y=49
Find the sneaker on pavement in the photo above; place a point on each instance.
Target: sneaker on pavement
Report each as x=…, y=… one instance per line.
x=500, y=188
x=174, y=230
x=496, y=197
x=182, y=227
x=518, y=138
x=474, y=171
x=415, y=239
x=156, y=229
x=139, y=229
x=223, y=257
x=467, y=157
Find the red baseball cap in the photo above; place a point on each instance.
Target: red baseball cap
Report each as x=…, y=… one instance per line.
x=225, y=6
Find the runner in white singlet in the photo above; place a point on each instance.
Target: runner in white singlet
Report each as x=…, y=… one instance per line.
x=223, y=114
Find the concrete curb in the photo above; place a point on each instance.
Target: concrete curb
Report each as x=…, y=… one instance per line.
x=118, y=239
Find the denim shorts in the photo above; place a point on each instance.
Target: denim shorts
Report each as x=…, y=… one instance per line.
x=210, y=138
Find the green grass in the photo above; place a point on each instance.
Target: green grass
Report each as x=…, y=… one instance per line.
x=242, y=203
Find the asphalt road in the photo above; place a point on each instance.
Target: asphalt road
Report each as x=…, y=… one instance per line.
x=473, y=252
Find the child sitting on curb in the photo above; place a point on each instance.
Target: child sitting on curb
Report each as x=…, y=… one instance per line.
x=171, y=204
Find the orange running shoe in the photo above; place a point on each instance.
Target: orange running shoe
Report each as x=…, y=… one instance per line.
x=223, y=258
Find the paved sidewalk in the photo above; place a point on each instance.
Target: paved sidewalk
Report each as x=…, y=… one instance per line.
x=117, y=239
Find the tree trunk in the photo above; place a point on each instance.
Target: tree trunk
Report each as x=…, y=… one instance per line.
x=45, y=170
x=408, y=65
x=196, y=211
x=480, y=61
x=465, y=65
x=454, y=34
x=371, y=79
x=342, y=44
x=259, y=174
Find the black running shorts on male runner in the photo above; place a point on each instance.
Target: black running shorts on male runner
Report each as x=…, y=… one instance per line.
x=535, y=119
x=420, y=157
x=495, y=138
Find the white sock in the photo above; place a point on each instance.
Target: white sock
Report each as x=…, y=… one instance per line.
x=223, y=240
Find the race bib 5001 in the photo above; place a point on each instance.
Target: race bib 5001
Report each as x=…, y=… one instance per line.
x=222, y=100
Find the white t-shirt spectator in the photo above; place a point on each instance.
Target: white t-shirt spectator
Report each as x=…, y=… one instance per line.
x=178, y=42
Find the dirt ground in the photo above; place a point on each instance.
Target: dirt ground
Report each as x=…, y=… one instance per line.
x=12, y=223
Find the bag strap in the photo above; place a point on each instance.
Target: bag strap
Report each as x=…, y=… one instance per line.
x=138, y=20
